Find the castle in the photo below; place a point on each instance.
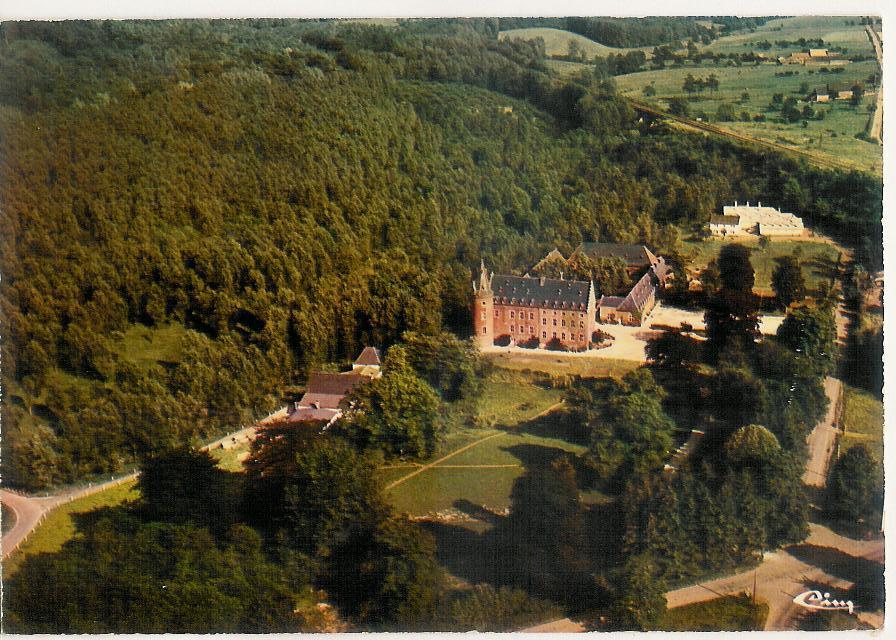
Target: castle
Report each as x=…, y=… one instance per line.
x=537, y=310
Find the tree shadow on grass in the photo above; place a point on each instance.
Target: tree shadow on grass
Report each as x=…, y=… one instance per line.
x=556, y=424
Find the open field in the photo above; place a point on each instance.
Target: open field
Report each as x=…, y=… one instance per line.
x=728, y=613
x=818, y=259
x=833, y=30
x=147, y=346
x=59, y=526
x=556, y=42
x=482, y=475
x=560, y=365
x=509, y=398
x=832, y=136
x=863, y=421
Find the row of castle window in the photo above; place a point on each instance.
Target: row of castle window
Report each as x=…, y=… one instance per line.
x=544, y=321
x=544, y=334
x=531, y=315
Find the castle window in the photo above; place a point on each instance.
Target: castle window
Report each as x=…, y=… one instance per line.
x=581, y=325
x=483, y=315
x=512, y=329
x=563, y=322
x=484, y=329
x=555, y=334
x=544, y=334
x=512, y=314
x=496, y=313
x=555, y=322
x=531, y=316
x=564, y=337
x=483, y=303
x=544, y=321
x=581, y=336
x=531, y=329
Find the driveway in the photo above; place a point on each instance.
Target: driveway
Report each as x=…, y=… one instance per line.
x=674, y=317
x=823, y=437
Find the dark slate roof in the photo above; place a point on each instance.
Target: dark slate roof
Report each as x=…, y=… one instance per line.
x=662, y=269
x=328, y=389
x=637, y=297
x=611, y=302
x=715, y=219
x=635, y=255
x=540, y=292
x=369, y=356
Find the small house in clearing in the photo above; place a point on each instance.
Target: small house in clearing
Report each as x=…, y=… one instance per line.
x=325, y=392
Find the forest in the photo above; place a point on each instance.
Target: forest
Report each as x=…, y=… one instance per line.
x=273, y=195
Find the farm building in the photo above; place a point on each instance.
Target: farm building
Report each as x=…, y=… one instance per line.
x=325, y=392
x=746, y=220
x=834, y=91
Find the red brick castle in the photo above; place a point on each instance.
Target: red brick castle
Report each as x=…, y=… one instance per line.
x=526, y=309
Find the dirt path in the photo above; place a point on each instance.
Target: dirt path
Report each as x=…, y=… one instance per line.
x=877, y=123
x=466, y=447
x=829, y=163
x=394, y=484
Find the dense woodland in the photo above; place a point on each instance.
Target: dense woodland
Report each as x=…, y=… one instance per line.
x=277, y=194
x=286, y=192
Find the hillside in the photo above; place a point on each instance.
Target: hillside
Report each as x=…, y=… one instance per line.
x=197, y=213
x=557, y=42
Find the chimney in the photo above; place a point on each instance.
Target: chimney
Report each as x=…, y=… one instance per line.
x=561, y=275
x=541, y=281
x=735, y=203
x=759, y=204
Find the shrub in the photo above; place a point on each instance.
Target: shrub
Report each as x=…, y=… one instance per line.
x=554, y=344
x=531, y=343
x=502, y=341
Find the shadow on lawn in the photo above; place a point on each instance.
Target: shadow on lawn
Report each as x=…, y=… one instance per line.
x=556, y=424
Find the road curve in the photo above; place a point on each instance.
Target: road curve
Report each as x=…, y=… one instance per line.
x=30, y=510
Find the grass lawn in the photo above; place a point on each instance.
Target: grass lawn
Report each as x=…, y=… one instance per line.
x=832, y=29
x=556, y=42
x=728, y=613
x=59, y=526
x=831, y=137
x=444, y=487
x=147, y=346
x=230, y=459
x=560, y=365
x=863, y=421
x=510, y=398
x=816, y=258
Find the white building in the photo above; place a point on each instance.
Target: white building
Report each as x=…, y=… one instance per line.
x=745, y=220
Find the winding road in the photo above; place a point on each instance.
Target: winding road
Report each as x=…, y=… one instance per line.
x=30, y=510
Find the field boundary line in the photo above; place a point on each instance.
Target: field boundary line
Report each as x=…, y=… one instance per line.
x=394, y=484
x=435, y=463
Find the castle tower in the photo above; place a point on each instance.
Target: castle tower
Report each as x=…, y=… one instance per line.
x=483, y=308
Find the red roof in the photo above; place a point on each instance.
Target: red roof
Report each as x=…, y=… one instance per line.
x=326, y=390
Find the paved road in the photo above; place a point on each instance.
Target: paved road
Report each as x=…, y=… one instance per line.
x=782, y=575
x=823, y=437
x=30, y=510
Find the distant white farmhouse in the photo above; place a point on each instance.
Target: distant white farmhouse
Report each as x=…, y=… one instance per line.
x=756, y=220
